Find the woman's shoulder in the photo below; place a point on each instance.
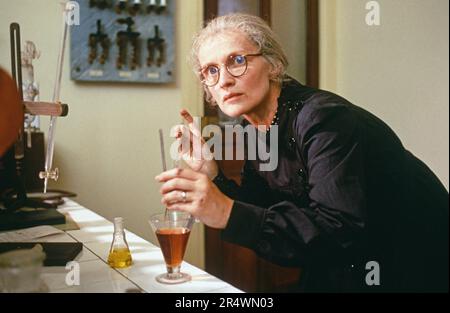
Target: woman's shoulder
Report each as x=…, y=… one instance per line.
x=311, y=99
x=309, y=106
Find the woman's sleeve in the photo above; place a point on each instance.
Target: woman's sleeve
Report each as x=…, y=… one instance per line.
x=253, y=189
x=289, y=235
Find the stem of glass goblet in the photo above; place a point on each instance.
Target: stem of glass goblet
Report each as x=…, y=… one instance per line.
x=173, y=272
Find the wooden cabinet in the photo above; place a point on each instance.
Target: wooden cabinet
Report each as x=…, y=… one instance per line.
x=235, y=264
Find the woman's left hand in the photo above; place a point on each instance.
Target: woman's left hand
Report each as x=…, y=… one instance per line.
x=195, y=193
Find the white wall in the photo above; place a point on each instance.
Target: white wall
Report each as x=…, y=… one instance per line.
x=398, y=70
x=107, y=148
x=289, y=23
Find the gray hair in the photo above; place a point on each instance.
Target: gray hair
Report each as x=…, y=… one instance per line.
x=256, y=30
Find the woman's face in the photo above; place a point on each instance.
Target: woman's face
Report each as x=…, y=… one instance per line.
x=242, y=95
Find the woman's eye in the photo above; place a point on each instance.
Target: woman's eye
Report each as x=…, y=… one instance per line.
x=239, y=60
x=212, y=70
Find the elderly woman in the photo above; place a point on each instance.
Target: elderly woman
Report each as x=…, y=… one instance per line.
x=347, y=202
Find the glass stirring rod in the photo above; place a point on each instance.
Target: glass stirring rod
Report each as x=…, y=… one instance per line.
x=163, y=159
x=49, y=173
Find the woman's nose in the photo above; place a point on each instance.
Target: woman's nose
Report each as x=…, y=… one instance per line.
x=225, y=78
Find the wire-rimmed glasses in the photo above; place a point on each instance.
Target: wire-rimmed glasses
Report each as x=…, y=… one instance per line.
x=236, y=66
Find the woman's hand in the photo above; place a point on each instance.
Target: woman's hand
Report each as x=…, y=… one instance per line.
x=195, y=193
x=200, y=158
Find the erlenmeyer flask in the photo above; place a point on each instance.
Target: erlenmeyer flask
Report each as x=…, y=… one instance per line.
x=119, y=253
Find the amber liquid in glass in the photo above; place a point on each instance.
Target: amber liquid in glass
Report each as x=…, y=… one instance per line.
x=173, y=243
x=120, y=258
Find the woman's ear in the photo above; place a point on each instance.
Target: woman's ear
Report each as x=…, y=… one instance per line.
x=274, y=72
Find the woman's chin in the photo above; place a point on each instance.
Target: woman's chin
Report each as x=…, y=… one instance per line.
x=233, y=111
x=232, y=115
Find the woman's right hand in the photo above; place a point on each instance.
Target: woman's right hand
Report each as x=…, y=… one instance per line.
x=200, y=158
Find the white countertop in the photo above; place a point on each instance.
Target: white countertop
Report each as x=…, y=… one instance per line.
x=97, y=276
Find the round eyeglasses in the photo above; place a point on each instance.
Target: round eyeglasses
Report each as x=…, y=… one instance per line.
x=236, y=66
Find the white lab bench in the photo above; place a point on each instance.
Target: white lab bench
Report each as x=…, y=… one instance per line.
x=97, y=276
